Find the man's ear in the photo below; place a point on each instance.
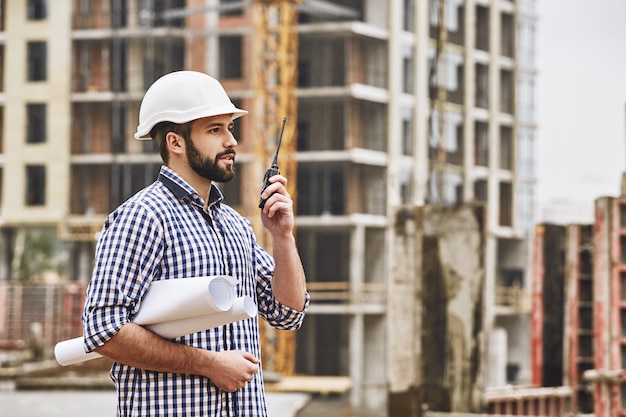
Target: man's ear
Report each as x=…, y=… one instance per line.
x=175, y=143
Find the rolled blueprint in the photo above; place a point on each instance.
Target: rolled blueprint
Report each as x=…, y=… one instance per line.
x=243, y=308
x=173, y=299
x=190, y=297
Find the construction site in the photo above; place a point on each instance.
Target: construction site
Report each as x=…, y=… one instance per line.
x=409, y=150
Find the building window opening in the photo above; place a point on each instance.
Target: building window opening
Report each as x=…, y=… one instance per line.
x=507, y=38
x=506, y=147
x=36, y=123
x=481, y=144
x=231, y=57
x=231, y=8
x=407, y=135
x=409, y=19
x=408, y=69
x=118, y=13
x=482, y=86
x=506, y=204
x=35, y=185
x=482, y=28
x=37, y=56
x=37, y=9
x=506, y=91
x=480, y=191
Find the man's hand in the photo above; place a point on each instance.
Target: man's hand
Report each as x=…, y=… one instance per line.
x=289, y=282
x=231, y=370
x=277, y=215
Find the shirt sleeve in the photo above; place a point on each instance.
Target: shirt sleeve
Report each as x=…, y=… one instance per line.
x=275, y=313
x=127, y=257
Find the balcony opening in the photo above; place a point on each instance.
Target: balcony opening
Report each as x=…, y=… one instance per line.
x=323, y=345
x=322, y=62
x=325, y=186
x=321, y=125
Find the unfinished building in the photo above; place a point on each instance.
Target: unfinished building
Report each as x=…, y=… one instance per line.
x=563, y=310
x=403, y=103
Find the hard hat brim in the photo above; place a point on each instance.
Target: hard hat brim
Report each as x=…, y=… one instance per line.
x=144, y=129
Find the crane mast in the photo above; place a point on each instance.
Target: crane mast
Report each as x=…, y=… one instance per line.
x=275, y=81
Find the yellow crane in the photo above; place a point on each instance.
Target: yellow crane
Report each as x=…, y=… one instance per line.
x=275, y=82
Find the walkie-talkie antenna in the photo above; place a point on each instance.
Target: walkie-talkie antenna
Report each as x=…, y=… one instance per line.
x=280, y=139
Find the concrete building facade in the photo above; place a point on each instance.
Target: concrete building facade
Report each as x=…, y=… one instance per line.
x=401, y=103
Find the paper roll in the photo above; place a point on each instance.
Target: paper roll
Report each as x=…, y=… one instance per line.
x=176, y=308
x=69, y=352
x=174, y=299
x=243, y=308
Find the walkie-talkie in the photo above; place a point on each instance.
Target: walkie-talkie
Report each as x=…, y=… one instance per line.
x=273, y=170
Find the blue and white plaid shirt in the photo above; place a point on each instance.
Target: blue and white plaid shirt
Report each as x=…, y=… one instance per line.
x=162, y=233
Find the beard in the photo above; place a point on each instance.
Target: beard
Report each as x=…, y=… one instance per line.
x=207, y=168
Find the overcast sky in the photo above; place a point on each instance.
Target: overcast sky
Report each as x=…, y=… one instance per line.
x=581, y=99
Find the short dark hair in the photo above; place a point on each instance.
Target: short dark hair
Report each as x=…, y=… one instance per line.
x=161, y=130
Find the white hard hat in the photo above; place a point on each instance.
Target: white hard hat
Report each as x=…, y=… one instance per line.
x=181, y=97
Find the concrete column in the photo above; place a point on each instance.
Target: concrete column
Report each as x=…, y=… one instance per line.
x=491, y=248
x=422, y=105
x=394, y=87
x=403, y=320
x=356, y=360
x=212, y=38
x=469, y=95
x=494, y=104
x=357, y=253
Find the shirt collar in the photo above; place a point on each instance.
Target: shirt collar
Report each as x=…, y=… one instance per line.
x=183, y=191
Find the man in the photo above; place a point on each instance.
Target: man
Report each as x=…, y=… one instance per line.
x=176, y=228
